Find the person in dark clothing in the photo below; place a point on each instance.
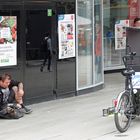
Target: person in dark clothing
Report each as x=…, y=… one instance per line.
x=11, y=91
x=47, y=50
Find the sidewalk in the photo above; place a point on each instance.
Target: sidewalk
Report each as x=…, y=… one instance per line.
x=73, y=118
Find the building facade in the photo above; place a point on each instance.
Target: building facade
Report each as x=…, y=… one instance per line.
x=83, y=43
x=77, y=58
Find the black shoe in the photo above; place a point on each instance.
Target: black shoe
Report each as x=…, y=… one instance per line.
x=41, y=69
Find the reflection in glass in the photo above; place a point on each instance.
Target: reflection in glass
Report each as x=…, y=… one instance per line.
x=113, y=11
x=98, y=42
x=85, y=43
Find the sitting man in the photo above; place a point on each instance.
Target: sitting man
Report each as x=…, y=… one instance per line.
x=11, y=92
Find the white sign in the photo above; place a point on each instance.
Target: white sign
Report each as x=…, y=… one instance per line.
x=8, y=40
x=136, y=80
x=120, y=34
x=66, y=38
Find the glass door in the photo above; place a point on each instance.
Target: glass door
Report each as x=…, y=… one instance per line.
x=39, y=22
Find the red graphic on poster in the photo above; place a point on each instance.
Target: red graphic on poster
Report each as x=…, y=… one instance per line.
x=120, y=34
x=8, y=40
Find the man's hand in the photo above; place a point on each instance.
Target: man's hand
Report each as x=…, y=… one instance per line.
x=9, y=109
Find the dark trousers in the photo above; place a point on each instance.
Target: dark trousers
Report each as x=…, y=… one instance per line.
x=47, y=57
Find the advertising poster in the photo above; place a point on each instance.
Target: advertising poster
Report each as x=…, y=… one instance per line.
x=8, y=40
x=66, y=32
x=120, y=34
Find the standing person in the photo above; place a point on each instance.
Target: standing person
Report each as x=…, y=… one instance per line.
x=137, y=22
x=98, y=48
x=11, y=91
x=47, y=50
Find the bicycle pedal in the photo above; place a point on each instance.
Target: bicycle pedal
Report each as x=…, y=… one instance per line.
x=108, y=111
x=105, y=112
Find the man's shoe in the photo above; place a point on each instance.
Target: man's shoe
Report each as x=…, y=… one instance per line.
x=27, y=110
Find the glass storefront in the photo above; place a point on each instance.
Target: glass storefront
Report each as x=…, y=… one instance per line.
x=116, y=11
x=24, y=25
x=95, y=43
x=89, y=43
x=96, y=47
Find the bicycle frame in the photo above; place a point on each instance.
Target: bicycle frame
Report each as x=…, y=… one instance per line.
x=125, y=102
x=128, y=90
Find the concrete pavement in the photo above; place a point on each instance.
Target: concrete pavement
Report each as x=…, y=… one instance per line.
x=73, y=118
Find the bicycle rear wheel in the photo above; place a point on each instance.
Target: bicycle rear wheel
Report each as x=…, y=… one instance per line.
x=122, y=116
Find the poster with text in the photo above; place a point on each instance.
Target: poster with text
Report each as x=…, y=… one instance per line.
x=66, y=38
x=8, y=40
x=120, y=34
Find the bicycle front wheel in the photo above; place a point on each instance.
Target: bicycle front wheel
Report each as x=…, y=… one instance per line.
x=122, y=116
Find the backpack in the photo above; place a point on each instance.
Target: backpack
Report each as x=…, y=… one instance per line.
x=9, y=111
x=45, y=46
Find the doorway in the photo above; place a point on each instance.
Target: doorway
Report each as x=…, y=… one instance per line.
x=39, y=84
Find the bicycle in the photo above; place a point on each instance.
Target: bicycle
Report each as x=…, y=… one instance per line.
x=127, y=104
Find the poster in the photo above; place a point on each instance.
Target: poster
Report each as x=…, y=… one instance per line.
x=8, y=40
x=66, y=38
x=120, y=34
